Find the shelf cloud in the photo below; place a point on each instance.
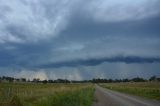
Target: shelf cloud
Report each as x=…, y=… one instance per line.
x=75, y=36
x=94, y=62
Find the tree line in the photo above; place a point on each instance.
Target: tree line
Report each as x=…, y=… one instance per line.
x=94, y=80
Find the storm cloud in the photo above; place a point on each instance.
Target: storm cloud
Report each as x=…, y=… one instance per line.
x=94, y=62
x=79, y=35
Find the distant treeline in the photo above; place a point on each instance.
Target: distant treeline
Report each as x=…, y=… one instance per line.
x=94, y=80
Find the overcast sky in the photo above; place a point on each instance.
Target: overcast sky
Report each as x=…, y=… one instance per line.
x=79, y=39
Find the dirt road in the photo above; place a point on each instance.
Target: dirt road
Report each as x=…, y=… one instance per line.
x=105, y=97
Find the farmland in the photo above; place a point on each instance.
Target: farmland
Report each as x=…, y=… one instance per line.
x=69, y=94
x=33, y=94
x=150, y=90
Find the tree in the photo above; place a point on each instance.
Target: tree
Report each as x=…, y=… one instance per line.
x=44, y=81
x=23, y=79
x=36, y=80
x=153, y=78
x=138, y=79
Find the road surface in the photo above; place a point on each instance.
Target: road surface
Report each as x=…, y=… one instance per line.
x=106, y=97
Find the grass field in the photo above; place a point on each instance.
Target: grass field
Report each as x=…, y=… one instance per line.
x=27, y=94
x=149, y=90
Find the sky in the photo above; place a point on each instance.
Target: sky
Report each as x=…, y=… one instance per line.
x=79, y=39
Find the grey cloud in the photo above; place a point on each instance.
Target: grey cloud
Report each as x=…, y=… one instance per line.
x=122, y=70
x=109, y=10
x=37, y=20
x=105, y=70
x=79, y=35
x=33, y=20
x=94, y=62
x=83, y=28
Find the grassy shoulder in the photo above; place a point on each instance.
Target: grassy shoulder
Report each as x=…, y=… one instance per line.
x=14, y=94
x=149, y=90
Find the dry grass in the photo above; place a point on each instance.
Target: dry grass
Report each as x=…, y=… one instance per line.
x=144, y=89
x=28, y=94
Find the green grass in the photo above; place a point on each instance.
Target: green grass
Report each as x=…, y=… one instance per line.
x=27, y=94
x=149, y=90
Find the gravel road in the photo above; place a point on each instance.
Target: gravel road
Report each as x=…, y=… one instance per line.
x=106, y=97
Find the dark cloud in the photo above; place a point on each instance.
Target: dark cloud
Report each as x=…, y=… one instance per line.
x=94, y=62
x=55, y=34
x=85, y=28
x=6, y=59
